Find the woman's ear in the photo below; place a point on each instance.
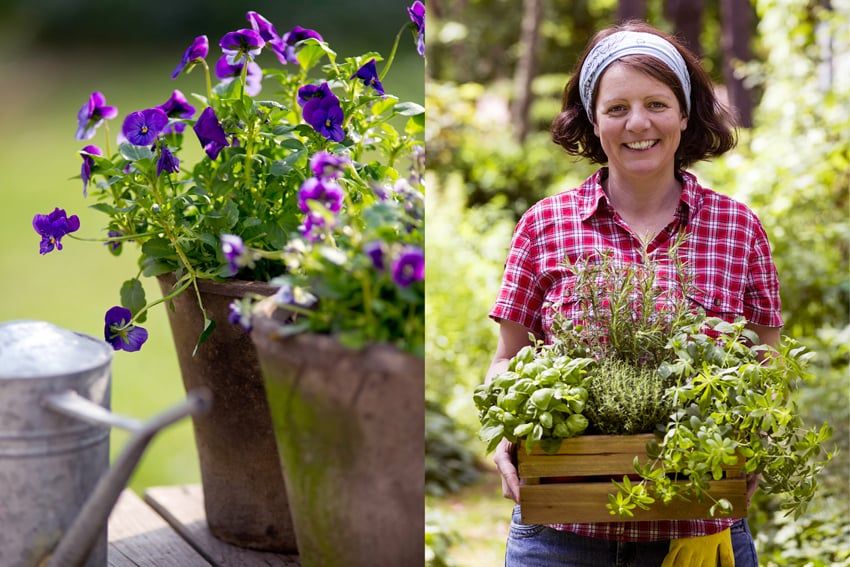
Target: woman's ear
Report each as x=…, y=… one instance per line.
x=684, y=123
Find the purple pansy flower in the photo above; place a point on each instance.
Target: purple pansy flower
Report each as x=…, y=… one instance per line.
x=368, y=73
x=327, y=166
x=240, y=45
x=309, y=92
x=119, y=333
x=313, y=226
x=52, y=227
x=142, y=127
x=167, y=161
x=233, y=249
x=227, y=72
x=199, y=49
x=416, y=11
x=210, y=133
x=409, y=267
x=268, y=32
x=324, y=191
x=290, y=38
x=88, y=163
x=92, y=114
x=322, y=111
x=177, y=107
x=375, y=251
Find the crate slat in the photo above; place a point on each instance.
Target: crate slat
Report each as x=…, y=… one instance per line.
x=585, y=502
x=557, y=488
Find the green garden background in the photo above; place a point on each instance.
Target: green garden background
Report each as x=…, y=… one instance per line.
x=792, y=167
x=54, y=55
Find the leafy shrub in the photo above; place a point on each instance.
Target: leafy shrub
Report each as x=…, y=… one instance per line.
x=449, y=464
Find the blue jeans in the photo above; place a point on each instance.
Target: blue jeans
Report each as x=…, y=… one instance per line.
x=532, y=545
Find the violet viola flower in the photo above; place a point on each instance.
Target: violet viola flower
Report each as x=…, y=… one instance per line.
x=409, y=267
x=313, y=226
x=118, y=331
x=327, y=166
x=240, y=45
x=92, y=114
x=142, y=127
x=114, y=245
x=52, y=227
x=292, y=37
x=177, y=107
x=323, y=112
x=368, y=73
x=210, y=133
x=236, y=316
x=233, y=249
x=269, y=34
x=199, y=49
x=416, y=11
x=309, y=92
x=324, y=191
x=227, y=72
x=88, y=163
x=167, y=161
x=375, y=251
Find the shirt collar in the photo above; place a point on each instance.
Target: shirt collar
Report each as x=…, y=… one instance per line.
x=592, y=192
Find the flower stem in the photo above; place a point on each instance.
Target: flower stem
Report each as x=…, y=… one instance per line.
x=106, y=133
x=113, y=238
x=209, y=81
x=174, y=293
x=391, y=58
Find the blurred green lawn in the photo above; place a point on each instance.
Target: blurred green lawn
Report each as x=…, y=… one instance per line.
x=74, y=287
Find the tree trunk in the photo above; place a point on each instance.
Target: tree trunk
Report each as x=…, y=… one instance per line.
x=631, y=10
x=686, y=16
x=737, y=19
x=526, y=66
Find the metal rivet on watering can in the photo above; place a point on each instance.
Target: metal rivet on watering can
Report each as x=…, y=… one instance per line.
x=54, y=445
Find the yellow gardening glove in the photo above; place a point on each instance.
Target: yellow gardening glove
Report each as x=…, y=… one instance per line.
x=701, y=551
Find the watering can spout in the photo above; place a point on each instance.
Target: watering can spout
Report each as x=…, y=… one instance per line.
x=78, y=541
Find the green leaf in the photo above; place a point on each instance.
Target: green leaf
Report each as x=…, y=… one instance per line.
x=158, y=248
x=310, y=52
x=135, y=153
x=133, y=297
x=383, y=104
x=408, y=109
x=209, y=327
x=152, y=267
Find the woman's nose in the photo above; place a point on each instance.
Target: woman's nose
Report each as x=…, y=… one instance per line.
x=638, y=120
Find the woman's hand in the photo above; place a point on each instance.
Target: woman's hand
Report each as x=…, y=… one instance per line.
x=505, y=459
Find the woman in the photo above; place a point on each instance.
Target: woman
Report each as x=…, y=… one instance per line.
x=639, y=102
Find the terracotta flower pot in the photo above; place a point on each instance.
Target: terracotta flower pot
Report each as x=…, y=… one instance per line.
x=350, y=427
x=244, y=493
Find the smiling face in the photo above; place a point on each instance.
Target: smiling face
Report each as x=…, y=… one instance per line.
x=639, y=123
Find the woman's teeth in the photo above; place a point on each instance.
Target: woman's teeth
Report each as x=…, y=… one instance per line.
x=644, y=145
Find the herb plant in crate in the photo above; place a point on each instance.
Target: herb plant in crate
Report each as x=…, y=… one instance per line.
x=639, y=360
x=261, y=130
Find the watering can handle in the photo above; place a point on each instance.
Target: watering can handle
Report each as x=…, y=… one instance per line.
x=77, y=542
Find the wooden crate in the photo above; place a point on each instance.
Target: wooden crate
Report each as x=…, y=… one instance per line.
x=573, y=484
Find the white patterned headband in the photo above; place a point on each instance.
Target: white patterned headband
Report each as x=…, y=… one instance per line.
x=621, y=44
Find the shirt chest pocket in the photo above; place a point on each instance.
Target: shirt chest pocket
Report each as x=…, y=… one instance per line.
x=718, y=303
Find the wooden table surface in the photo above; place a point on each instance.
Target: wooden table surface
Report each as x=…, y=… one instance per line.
x=168, y=529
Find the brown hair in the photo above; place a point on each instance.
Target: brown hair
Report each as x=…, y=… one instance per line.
x=709, y=132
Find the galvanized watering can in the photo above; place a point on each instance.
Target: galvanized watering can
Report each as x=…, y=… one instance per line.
x=56, y=491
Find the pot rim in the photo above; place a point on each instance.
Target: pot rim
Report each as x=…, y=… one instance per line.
x=268, y=317
x=227, y=288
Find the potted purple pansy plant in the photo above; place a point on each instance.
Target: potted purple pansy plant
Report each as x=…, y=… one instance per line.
x=274, y=109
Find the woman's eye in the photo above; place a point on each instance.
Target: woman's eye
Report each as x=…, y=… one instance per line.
x=616, y=108
x=657, y=104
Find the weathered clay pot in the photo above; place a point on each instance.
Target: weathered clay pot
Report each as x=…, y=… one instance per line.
x=350, y=427
x=244, y=493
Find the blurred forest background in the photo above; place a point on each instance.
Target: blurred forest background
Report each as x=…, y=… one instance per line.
x=54, y=53
x=496, y=70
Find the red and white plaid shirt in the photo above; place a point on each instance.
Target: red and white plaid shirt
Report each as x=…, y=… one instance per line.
x=726, y=251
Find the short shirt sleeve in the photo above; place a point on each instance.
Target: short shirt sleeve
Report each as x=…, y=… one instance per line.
x=520, y=297
x=762, y=305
